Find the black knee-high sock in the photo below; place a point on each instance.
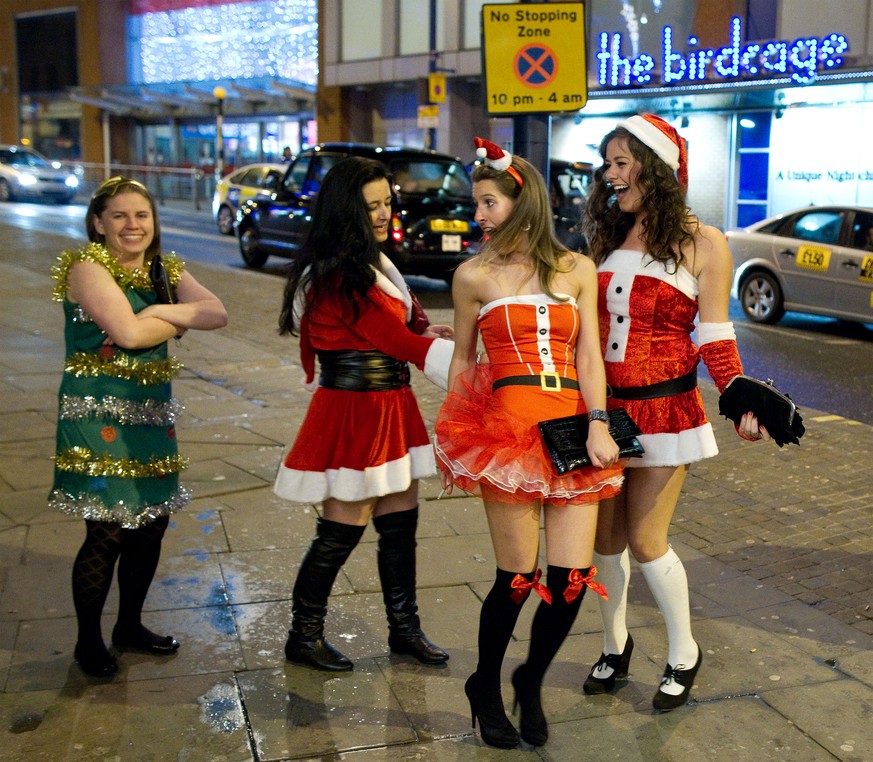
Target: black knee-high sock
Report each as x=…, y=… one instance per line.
x=92, y=577
x=552, y=622
x=140, y=553
x=496, y=622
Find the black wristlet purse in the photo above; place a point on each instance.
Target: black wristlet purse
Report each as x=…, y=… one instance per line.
x=775, y=411
x=161, y=281
x=565, y=439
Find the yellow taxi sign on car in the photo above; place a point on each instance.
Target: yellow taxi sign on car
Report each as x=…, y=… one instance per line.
x=449, y=226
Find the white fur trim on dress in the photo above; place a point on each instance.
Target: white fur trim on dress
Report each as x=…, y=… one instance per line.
x=349, y=485
x=436, y=362
x=710, y=332
x=688, y=446
x=391, y=282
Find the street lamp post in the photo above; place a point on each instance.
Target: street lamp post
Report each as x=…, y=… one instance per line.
x=220, y=94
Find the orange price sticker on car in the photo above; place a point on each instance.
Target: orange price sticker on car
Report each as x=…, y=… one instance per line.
x=813, y=258
x=867, y=269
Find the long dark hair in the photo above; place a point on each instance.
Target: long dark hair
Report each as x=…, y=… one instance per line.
x=340, y=250
x=667, y=224
x=112, y=187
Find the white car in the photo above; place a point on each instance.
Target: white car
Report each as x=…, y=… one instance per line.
x=27, y=174
x=241, y=185
x=817, y=260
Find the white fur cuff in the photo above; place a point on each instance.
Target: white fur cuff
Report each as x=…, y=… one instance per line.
x=436, y=363
x=710, y=332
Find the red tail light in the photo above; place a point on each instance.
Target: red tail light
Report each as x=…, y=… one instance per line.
x=396, y=229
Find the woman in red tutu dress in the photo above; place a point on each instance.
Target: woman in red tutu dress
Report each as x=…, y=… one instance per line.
x=534, y=303
x=363, y=445
x=659, y=269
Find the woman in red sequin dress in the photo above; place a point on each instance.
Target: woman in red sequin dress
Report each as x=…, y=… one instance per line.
x=534, y=304
x=659, y=271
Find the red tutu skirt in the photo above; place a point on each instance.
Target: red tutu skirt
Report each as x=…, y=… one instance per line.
x=488, y=444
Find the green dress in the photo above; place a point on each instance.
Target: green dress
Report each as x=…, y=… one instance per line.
x=117, y=457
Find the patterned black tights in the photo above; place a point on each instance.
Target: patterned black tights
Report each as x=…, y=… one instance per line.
x=138, y=552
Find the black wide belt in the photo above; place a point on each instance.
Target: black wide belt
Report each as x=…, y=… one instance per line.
x=365, y=370
x=549, y=382
x=667, y=388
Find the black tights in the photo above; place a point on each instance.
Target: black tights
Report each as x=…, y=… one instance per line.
x=137, y=552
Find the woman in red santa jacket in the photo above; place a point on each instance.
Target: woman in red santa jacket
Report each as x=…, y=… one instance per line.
x=363, y=445
x=659, y=269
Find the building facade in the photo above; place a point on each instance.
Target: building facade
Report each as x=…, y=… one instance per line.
x=774, y=96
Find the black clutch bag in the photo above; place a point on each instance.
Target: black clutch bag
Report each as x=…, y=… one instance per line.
x=160, y=281
x=775, y=411
x=565, y=439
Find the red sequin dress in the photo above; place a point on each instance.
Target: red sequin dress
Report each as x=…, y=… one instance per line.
x=356, y=445
x=487, y=442
x=647, y=312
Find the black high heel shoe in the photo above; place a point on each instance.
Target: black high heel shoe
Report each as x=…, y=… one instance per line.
x=494, y=726
x=618, y=663
x=97, y=662
x=532, y=723
x=664, y=702
x=145, y=641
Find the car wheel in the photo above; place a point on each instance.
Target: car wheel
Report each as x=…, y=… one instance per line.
x=251, y=252
x=225, y=220
x=761, y=298
x=5, y=191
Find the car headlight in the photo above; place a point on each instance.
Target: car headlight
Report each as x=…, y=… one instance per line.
x=26, y=179
x=72, y=181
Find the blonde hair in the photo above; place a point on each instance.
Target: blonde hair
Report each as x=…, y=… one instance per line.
x=529, y=223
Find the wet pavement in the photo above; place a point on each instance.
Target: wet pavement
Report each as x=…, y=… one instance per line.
x=778, y=546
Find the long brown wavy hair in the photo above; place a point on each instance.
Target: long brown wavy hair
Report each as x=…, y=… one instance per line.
x=667, y=225
x=531, y=221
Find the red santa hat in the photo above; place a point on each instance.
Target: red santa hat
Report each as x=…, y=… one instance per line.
x=662, y=138
x=496, y=158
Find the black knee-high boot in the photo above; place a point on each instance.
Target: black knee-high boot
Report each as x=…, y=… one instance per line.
x=92, y=578
x=137, y=564
x=551, y=624
x=327, y=553
x=396, y=560
x=497, y=619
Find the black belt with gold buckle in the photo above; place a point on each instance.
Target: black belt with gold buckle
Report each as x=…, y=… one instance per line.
x=548, y=382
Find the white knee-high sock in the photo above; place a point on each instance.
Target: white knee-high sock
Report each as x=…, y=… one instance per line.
x=613, y=572
x=666, y=579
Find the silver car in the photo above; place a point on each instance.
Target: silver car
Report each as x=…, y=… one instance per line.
x=817, y=260
x=26, y=174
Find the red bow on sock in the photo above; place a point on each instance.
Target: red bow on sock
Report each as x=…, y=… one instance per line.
x=521, y=588
x=575, y=583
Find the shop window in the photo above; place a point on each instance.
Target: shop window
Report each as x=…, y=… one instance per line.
x=361, y=41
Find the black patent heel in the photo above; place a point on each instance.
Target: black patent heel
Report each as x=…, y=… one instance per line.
x=487, y=706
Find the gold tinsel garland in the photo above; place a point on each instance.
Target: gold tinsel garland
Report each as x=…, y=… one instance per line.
x=96, y=252
x=81, y=460
x=145, y=373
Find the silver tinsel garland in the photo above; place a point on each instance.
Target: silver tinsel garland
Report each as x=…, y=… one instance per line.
x=126, y=412
x=90, y=507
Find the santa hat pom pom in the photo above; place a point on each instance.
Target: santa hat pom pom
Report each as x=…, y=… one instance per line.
x=493, y=154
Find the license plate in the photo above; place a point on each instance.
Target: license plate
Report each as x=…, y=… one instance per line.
x=451, y=243
x=449, y=226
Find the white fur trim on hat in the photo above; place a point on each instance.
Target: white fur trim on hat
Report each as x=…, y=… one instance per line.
x=649, y=134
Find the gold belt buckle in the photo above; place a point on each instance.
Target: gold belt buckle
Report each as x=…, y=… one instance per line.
x=550, y=381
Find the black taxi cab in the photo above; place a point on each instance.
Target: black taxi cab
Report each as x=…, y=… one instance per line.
x=431, y=231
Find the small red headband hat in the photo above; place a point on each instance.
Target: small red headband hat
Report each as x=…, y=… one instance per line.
x=496, y=158
x=662, y=138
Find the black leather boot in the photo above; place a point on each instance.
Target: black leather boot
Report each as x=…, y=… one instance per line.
x=327, y=553
x=396, y=560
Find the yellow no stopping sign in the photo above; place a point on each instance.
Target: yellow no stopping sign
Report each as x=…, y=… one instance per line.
x=533, y=57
